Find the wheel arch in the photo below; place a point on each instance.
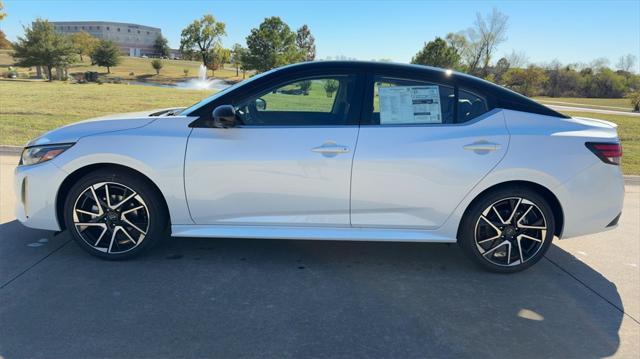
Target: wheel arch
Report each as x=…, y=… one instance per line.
x=73, y=177
x=552, y=199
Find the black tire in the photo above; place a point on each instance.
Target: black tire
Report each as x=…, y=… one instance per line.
x=472, y=226
x=151, y=223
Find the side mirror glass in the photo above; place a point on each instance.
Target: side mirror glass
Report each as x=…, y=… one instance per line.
x=261, y=104
x=224, y=116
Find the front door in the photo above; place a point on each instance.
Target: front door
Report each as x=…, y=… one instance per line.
x=287, y=162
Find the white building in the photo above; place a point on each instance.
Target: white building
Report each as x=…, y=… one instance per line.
x=133, y=39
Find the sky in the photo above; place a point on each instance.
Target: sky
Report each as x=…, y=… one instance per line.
x=567, y=31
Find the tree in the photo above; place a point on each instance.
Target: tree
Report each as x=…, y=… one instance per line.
x=562, y=80
x=635, y=101
x=2, y=13
x=330, y=86
x=161, y=46
x=604, y=83
x=106, y=54
x=217, y=57
x=83, y=43
x=237, y=54
x=157, y=65
x=502, y=66
x=305, y=86
x=627, y=63
x=4, y=43
x=306, y=43
x=517, y=59
x=43, y=46
x=201, y=36
x=272, y=44
x=526, y=81
x=439, y=54
x=482, y=40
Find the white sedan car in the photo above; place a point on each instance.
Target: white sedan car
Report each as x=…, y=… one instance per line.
x=332, y=151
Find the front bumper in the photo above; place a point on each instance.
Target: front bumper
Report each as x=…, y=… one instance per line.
x=592, y=200
x=36, y=189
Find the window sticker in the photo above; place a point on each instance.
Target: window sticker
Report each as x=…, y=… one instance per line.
x=409, y=104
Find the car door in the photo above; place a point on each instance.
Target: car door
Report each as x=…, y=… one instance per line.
x=286, y=162
x=422, y=149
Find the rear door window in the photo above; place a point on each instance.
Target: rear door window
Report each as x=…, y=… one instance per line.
x=411, y=102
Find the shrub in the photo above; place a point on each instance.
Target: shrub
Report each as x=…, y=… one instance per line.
x=157, y=65
x=305, y=86
x=330, y=86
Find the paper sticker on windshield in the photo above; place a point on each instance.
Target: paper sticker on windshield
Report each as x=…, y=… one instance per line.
x=409, y=104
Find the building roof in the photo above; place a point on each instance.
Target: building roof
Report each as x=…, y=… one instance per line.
x=105, y=23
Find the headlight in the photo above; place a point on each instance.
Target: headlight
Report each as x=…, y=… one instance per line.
x=39, y=154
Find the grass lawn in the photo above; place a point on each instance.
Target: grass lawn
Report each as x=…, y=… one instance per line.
x=132, y=68
x=620, y=104
x=27, y=109
x=629, y=132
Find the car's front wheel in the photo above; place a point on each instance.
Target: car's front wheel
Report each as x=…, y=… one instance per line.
x=507, y=230
x=114, y=214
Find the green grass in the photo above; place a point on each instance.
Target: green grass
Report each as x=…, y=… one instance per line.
x=629, y=132
x=27, y=109
x=140, y=68
x=620, y=104
x=316, y=99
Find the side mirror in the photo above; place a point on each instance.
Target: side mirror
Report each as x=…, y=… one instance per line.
x=224, y=116
x=261, y=104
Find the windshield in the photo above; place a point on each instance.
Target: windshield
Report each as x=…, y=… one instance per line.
x=206, y=100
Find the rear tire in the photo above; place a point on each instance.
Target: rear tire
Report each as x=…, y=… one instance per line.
x=115, y=214
x=507, y=230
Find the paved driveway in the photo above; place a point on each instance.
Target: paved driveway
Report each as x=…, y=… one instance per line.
x=275, y=298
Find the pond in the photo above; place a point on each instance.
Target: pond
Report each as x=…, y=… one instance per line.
x=191, y=84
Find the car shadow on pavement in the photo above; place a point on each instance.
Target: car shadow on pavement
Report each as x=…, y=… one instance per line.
x=279, y=298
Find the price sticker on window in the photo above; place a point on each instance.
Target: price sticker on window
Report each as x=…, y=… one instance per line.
x=410, y=105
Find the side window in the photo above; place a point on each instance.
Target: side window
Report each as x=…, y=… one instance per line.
x=317, y=101
x=402, y=101
x=470, y=106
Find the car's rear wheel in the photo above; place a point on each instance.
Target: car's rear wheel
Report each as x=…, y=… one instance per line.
x=507, y=230
x=114, y=214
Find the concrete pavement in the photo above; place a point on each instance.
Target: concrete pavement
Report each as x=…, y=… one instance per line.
x=272, y=298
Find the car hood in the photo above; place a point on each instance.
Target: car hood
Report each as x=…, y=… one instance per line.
x=118, y=122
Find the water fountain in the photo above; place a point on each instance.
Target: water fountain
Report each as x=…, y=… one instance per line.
x=202, y=83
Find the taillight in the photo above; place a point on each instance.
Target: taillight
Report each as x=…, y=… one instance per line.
x=608, y=152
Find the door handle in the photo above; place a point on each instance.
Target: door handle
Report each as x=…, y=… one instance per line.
x=482, y=146
x=331, y=149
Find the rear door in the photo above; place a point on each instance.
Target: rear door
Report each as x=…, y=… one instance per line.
x=287, y=162
x=422, y=148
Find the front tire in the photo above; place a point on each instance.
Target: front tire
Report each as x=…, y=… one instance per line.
x=507, y=230
x=115, y=214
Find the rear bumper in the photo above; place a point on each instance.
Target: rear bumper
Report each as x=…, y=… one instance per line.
x=36, y=188
x=592, y=201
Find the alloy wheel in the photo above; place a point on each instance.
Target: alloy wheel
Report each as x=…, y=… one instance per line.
x=510, y=231
x=111, y=217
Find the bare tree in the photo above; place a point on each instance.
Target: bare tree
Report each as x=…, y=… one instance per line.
x=627, y=63
x=483, y=40
x=517, y=59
